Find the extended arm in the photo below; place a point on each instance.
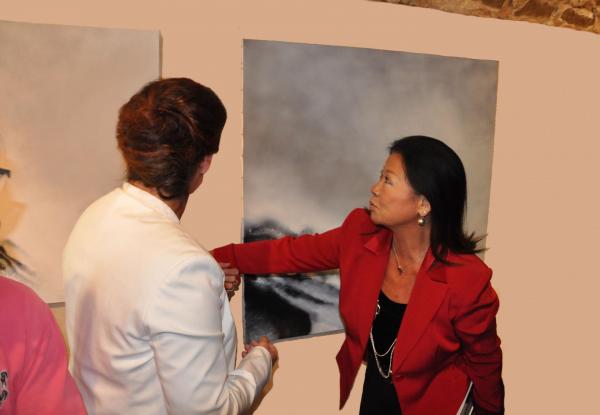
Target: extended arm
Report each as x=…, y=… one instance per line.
x=306, y=253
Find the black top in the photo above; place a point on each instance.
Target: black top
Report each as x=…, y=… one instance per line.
x=379, y=396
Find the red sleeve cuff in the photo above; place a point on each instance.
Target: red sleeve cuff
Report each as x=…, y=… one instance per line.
x=225, y=254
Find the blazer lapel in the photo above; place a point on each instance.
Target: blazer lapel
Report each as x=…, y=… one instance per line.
x=372, y=270
x=427, y=295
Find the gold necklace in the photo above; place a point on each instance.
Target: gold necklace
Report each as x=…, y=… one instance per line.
x=400, y=267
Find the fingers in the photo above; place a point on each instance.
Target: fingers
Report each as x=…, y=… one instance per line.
x=232, y=278
x=247, y=348
x=273, y=352
x=263, y=342
x=231, y=285
x=229, y=271
x=232, y=282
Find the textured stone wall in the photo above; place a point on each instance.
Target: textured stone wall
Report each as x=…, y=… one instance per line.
x=575, y=14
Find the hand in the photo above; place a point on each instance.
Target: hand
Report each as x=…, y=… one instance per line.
x=264, y=342
x=232, y=279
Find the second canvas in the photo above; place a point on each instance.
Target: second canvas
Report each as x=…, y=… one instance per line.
x=318, y=121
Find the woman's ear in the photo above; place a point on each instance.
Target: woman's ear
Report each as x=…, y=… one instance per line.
x=424, y=207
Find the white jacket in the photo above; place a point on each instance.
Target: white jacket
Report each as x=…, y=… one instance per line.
x=148, y=320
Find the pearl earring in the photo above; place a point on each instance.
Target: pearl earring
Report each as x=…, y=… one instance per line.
x=421, y=220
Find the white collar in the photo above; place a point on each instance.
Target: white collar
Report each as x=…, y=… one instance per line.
x=150, y=201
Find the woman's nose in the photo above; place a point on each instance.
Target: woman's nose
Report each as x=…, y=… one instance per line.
x=375, y=189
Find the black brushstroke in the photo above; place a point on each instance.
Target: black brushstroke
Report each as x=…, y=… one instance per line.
x=272, y=315
x=266, y=311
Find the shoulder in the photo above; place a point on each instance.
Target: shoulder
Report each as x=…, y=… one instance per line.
x=22, y=308
x=467, y=263
x=17, y=296
x=183, y=252
x=191, y=272
x=358, y=215
x=188, y=298
x=93, y=217
x=359, y=219
x=201, y=264
x=100, y=205
x=467, y=275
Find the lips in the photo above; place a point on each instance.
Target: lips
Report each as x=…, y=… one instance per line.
x=372, y=205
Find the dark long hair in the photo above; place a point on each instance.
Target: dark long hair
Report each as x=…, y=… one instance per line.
x=435, y=171
x=166, y=129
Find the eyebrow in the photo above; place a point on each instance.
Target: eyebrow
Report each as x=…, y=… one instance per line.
x=389, y=171
x=4, y=172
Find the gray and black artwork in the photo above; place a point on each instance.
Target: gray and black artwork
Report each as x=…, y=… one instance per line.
x=318, y=121
x=290, y=305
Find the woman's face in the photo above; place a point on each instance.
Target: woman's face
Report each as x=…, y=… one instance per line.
x=394, y=202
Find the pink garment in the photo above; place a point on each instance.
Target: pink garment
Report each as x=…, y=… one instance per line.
x=33, y=361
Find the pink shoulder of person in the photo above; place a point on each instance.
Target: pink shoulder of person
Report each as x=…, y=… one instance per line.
x=34, y=378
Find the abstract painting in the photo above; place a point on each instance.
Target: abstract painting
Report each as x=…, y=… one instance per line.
x=61, y=88
x=318, y=121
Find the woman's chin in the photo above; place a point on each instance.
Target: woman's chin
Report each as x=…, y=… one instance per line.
x=374, y=216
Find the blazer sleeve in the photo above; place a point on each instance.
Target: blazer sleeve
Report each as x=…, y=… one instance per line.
x=187, y=338
x=306, y=253
x=475, y=325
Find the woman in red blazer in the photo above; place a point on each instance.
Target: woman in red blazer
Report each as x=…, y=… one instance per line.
x=416, y=303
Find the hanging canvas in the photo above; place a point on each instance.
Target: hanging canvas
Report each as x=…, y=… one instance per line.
x=61, y=88
x=318, y=121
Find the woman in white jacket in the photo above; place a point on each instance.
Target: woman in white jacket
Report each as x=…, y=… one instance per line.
x=148, y=318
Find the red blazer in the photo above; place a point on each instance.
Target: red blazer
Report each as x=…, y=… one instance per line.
x=448, y=333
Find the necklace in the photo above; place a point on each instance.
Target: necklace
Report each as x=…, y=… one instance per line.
x=398, y=266
x=378, y=355
x=390, y=351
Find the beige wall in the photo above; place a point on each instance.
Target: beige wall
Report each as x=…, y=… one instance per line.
x=544, y=199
